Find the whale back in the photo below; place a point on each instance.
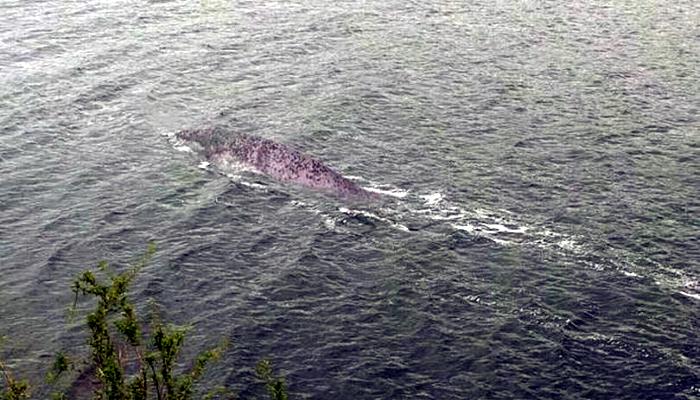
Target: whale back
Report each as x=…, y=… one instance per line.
x=278, y=160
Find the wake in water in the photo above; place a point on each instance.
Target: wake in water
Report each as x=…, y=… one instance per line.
x=504, y=228
x=434, y=213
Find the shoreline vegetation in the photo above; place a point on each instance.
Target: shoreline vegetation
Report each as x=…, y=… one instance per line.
x=130, y=358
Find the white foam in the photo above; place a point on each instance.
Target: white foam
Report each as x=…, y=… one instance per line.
x=467, y=228
x=509, y=229
x=252, y=184
x=568, y=244
x=356, y=178
x=239, y=179
x=183, y=148
x=695, y=296
x=691, y=282
x=329, y=222
x=484, y=213
x=478, y=231
x=443, y=217
x=631, y=274
x=503, y=228
x=204, y=165
x=498, y=225
x=548, y=233
x=367, y=214
x=398, y=193
x=502, y=242
x=300, y=203
x=433, y=198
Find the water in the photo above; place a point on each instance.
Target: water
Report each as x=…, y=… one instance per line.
x=539, y=163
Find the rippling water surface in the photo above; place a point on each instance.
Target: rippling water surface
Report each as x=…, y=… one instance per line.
x=539, y=164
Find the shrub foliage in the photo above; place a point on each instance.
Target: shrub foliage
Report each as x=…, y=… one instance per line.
x=127, y=363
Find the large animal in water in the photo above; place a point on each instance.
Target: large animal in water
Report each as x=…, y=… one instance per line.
x=271, y=158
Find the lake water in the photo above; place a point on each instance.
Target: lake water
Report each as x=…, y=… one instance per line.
x=538, y=233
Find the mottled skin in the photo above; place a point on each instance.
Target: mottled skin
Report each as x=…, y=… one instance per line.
x=271, y=158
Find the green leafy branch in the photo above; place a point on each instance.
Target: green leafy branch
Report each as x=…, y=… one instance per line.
x=128, y=365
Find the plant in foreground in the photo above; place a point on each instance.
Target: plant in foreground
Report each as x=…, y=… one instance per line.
x=276, y=387
x=14, y=389
x=128, y=364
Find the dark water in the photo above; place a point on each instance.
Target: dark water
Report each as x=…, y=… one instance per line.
x=540, y=163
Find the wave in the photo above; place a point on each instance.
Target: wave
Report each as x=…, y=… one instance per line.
x=434, y=212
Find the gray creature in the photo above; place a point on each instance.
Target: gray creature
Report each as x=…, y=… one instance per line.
x=271, y=158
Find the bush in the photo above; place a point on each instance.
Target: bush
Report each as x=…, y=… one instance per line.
x=14, y=389
x=128, y=364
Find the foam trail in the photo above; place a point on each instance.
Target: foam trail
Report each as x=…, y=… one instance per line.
x=433, y=212
x=374, y=216
x=695, y=296
x=398, y=193
x=433, y=198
